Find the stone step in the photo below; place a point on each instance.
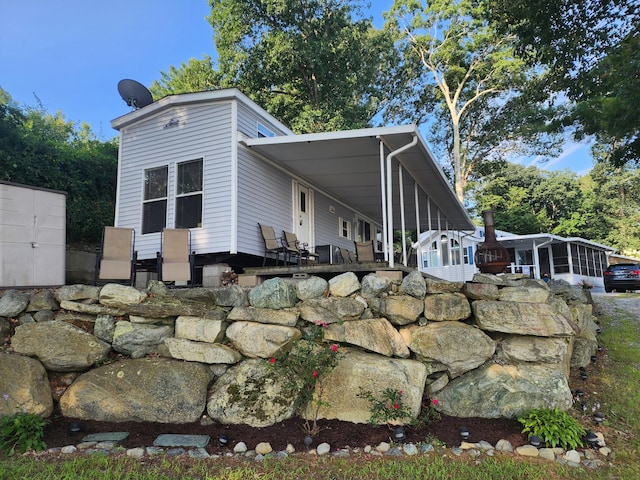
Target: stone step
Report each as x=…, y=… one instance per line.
x=106, y=437
x=178, y=440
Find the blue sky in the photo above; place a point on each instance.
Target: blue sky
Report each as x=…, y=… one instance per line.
x=72, y=53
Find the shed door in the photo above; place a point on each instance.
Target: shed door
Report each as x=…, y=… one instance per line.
x=304, y=214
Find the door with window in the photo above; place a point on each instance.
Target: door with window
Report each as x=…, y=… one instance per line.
x=303, y=214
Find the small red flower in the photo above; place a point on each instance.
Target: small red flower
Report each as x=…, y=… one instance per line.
x=435, y=402
x=324, y=324
x=314, y=374
x=334, y=347
x=272, y=360
x=396, y=406
x=400, y=392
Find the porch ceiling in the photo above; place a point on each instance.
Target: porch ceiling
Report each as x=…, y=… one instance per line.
x=346, y=165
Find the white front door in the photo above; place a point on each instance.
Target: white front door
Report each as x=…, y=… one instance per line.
x=303, y=214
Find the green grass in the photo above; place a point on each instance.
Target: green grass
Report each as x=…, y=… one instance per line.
x=618, y=375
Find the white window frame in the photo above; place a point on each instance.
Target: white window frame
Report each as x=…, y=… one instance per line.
x=344, y=226
x=263, y=131
x=190, y=193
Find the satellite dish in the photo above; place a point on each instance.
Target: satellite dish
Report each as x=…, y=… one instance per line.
x=134, y=93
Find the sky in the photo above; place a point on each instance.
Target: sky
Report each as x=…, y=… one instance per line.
x=69, y=55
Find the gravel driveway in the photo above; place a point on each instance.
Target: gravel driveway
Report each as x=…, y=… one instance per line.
x=608, y=303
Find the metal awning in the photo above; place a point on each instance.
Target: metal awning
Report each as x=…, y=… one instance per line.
x=347, y=166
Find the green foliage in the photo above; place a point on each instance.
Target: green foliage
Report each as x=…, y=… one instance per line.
x=304, y=368
x=22, y=431
x=455, y=65
x=428, y=414
x=388, y=408
x=44, y=150
x=315, y=65
x=553, y=426
x=591, y=48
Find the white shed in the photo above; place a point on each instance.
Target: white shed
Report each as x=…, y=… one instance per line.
x=32, y=236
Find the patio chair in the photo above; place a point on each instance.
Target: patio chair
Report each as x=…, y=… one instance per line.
x=116, y=260
x=294, y=248
x=365, y=252
x=176, y=262
x=346, y=255
x=271, y=244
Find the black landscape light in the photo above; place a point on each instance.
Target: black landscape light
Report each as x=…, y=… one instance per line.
x=598, y=417
x=223, y=440
x=75, y=427
x=465, y=433
x=535, y=441
x=399, y=434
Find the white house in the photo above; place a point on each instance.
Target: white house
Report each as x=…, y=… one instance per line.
x=450, y=255
x=216, y=163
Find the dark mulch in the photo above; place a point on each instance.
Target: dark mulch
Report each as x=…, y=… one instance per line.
x=336, y=433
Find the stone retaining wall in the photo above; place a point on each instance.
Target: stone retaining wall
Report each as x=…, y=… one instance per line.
x=492, y=348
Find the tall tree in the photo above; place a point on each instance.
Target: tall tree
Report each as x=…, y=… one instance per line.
x=592, y=50
x=314, y=65
x=44, y=150
x=455, y=64
x=196, y=75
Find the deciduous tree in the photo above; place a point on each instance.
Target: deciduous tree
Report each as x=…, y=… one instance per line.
x=463, y=77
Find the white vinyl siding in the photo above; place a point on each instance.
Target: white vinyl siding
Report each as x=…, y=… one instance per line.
x=199, y=131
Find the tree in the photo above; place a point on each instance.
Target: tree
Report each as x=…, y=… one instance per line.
x=529, y=200
x=193, y=76
x=591, y=48
x=455, y=64
x=315, y=65
x=44, y=150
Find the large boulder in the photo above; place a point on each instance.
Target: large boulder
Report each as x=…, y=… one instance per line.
x=251, y=393
x=60, y=346
x=312, y=287
x=331, y=309
x=358, y=372
x=524, y=294
x=115, y=295
x=539, y=319
x=142, y=390
x=12, y=303
x=273, y=293
x=288, y=318
x=446, y=306
x=258, y=340
x=210, y=353
x=84, y=293
x=344, y=284
x=414, y=285
x=398, y=309
x=457, y=345
x=42, y=300
x=376, y=335
x=24, y=386
x=372, y=285
x=199, y=329
x=496, y=391
x=139, y=339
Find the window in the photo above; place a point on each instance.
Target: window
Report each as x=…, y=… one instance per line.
x=455, y=252
x=560, y=258
x=363, y=231
x=154, y=205
x=264, y=131
x=445, y=250
x=468, y=255
x=189, y=195
x=430, y=256
x=344, y=228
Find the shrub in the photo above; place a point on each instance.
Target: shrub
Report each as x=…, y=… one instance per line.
x=24, y=431
x=554, y=427
x=388, y=408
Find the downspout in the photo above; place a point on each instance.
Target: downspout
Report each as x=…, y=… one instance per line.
x=384, y=201
x=402, y=221
x=390, y=198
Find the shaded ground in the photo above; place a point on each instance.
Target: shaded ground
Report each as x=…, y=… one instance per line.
x=337, y=433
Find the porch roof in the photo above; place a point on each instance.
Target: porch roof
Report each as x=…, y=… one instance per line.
x=539, y=238
x=347, y=165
